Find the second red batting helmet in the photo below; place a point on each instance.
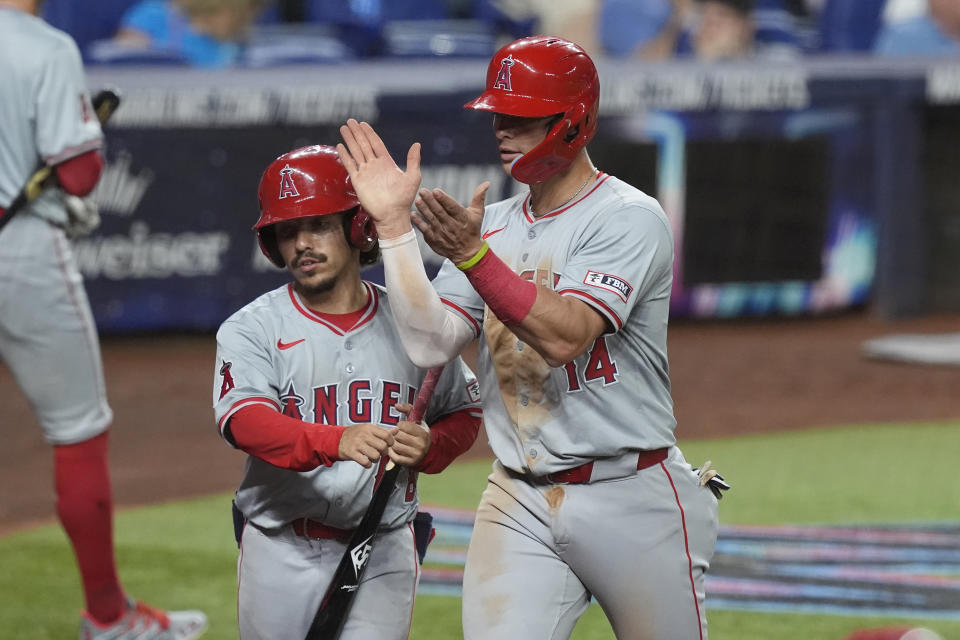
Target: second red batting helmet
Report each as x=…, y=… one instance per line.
x=543, y=76
x=310, y=181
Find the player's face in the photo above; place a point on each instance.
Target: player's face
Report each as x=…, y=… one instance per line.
x=315, y=251
x=516, y=135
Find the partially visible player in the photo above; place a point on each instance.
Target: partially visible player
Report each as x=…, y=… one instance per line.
x=568, y=287
x=47, y=334
x=312, y=382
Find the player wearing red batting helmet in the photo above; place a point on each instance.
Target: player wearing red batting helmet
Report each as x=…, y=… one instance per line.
x=306, y=182
x=537, y=77
x=567, y=289
x=312, y=384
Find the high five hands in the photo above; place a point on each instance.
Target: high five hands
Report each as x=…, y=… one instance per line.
x=387, y=194
x=452, y=230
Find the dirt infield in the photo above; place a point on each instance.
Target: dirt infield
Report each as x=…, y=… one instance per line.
x=728, y=378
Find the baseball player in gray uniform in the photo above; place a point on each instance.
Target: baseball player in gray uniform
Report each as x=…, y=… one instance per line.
x=313, y=383
x=568, y=288
x=47, y=334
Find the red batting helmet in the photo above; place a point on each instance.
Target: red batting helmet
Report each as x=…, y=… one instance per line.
x=311, y=181
x=543, y=76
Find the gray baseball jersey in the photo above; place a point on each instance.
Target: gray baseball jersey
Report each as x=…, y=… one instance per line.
x=615, y=253
x=279, y=353
x=47, y=334
x=44, y=106
x=640, y=544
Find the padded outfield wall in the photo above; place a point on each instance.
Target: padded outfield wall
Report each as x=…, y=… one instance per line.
x=792, y=190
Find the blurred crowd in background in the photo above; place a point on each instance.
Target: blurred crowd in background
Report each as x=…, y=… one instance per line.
x=263, y=33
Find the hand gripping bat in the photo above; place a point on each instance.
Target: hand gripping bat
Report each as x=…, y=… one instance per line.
x=333, y=609
x=105, y=102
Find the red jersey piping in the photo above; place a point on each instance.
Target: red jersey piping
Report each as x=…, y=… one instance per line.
x=373, y=304
x=596, y=302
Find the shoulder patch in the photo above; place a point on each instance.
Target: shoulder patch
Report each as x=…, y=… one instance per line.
x=610, y=282
x=227, y=385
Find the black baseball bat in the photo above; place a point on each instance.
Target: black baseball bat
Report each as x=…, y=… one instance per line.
x=333, y=610
x=105, y=103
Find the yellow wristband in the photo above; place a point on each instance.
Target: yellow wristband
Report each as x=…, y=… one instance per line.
x=463, y=266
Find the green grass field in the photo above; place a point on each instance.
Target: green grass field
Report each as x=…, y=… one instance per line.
x=182, y=555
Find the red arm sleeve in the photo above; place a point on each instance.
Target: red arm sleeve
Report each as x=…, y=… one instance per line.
x=78, y=175
x=284, y=441
x=450, y=436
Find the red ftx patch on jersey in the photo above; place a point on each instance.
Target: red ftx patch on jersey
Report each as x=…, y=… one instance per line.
x=609, y=282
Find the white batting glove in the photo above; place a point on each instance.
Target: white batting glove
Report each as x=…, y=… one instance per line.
x=711, y=479
x=83, y=215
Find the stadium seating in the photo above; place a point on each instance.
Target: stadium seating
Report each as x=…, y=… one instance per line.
x=438, y=38
x=360, y=24
x=419, y=28
x=487, y=11
x=270, y=15
x=108, y=52
x=280, y=44
x=850, y=25
x=86, y=21
x=776, y=26
x=413, y=10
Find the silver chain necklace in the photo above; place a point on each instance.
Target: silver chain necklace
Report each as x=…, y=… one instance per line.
x=593, y=174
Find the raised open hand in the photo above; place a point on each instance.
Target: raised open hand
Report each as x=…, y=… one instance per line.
x=385, y=191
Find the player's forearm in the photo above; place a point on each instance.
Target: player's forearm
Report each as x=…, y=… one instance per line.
x=558, y=328
x=450, y=437
x=430, y=335
x=284, y=441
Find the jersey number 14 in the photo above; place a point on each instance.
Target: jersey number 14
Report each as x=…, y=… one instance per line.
x=599, y=366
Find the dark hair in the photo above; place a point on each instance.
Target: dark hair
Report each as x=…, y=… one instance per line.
x=368, y=258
